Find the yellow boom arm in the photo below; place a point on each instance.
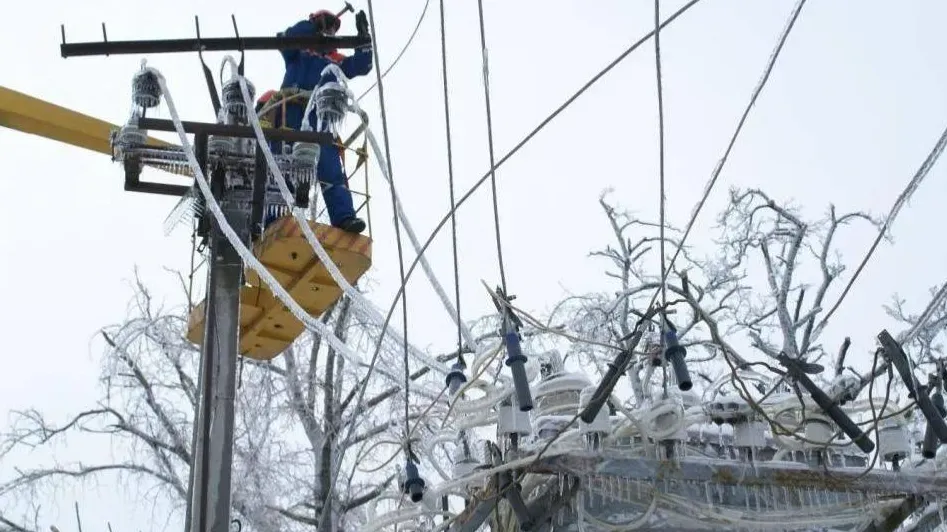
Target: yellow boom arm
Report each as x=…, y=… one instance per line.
x=31, y=115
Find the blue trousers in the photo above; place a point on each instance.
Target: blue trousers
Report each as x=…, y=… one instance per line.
x=329, y=171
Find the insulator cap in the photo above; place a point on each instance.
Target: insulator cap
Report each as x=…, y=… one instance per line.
x=413, y=483
x=146, y=91
x=455, y=377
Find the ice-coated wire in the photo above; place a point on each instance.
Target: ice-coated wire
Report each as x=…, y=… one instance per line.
x=899, y=202
x=413, y=238
x=394, y=206
x=493, y=165
x=662, y=199
x=362, y=305
x=401, y=53
x=938, y=300
x=463, y=199
x=450, y=179
x=733, y=139
x=244, y=252
x=771, y=63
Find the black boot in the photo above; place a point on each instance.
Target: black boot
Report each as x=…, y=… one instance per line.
x=352, y=225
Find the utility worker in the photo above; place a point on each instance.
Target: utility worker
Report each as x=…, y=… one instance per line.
x=304, y=72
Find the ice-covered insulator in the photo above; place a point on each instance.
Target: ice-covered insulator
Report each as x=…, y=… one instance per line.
x=595, y=431
x=331, y=102
x=820, y=430
x=464, y=462
x=893, y=440
x=220, y=145
x=301, y=176
x=558, y=394
x=232, y=96
x=749, y=433
x=688, y=398
x=130, y=136
x=728, y=409
x=146, y=91
x=651, y=346
x=548, y=427
x=412, y=484
x=675, y=353
x=666, y=420
x=306, y=154
x=511, y=420
x=456, y=378
x=199, y=204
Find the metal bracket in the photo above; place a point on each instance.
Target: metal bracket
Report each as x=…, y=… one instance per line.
x=214, y=44
x=245, y=132
x=208, y=75
x=133, y=183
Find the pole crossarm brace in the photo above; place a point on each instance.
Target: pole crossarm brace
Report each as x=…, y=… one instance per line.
x=245, y=132
x=214, y=44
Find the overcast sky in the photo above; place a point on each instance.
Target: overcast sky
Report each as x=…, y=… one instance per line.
x=854, y=105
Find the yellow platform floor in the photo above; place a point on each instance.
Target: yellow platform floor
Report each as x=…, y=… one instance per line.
x=267, y=327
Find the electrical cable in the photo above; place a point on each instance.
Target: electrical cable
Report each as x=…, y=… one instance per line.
x=401, y=53
x=899, y=202
x=394, y=206
x=520, y=145
x=716, y=173
x=513, y=151
x=493, y=165
x=662, y=201
x=756, y=93
x=450, y=179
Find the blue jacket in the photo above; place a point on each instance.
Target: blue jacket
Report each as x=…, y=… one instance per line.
x=304, y=70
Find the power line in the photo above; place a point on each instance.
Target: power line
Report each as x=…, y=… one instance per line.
x=746, y=112
x=493, y=165
x=374, y=360
x=401, y=53
x=513, y=152
x=663, y=198
x=394, y=206
x=450, y=179
x=899, y=202
x=713, y=180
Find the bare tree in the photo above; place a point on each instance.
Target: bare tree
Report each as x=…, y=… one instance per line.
x=767, y=285
x=296, y=423
x=763, y=290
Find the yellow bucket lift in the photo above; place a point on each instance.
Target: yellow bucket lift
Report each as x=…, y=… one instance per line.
x=267, y=327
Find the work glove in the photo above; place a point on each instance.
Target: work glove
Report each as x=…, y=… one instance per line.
x=361, y=24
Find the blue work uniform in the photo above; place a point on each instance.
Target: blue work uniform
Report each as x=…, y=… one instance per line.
x=304, y=71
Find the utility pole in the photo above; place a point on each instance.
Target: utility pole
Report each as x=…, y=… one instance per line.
x=212, y=458
x=243, y=206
